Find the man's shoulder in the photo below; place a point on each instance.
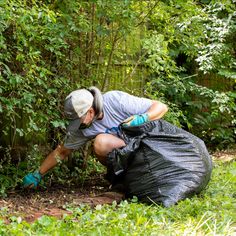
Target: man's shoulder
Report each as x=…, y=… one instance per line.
x=114, y=94
x=115, y=98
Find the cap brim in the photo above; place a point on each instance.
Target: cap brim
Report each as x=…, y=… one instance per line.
x=73, y=125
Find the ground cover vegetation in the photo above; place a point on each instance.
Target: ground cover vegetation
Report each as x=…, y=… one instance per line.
x=179, y=52
x=210, y=213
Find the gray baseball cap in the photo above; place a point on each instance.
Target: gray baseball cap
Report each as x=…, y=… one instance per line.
x=77, y=103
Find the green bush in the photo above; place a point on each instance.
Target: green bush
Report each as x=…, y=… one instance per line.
x=186, y=41
x=74, y=171
x=33, y=56
x=49, y=49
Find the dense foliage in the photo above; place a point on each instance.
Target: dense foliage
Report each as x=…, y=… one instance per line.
x=160, y=49
x=211, y=213
x=186, y=42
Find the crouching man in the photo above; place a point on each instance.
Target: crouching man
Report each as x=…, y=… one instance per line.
x=96, y=116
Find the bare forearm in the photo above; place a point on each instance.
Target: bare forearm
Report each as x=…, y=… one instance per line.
x=157, y=110
x=60, y=153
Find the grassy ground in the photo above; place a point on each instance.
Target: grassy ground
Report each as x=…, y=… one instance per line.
x=211, y=213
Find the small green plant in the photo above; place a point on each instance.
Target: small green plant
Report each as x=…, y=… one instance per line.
x=11, y=171
x=75, y=171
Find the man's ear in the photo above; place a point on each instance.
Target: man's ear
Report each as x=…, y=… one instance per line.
x=91, y=110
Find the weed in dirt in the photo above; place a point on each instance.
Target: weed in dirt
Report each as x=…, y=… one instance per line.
x=68, y=173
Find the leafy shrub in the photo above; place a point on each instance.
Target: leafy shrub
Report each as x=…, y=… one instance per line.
x=32, y=56
x=71, y=172
x=178, y=52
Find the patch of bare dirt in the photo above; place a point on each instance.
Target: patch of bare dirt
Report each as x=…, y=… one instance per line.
x=226, y=155
x=32, y=204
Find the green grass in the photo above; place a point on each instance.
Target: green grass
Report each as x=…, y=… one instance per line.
x=211, y=213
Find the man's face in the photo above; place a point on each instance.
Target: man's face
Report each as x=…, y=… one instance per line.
x=87, y=119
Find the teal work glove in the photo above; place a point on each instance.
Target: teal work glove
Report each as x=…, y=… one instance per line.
x=32, y=180
x=136, y=120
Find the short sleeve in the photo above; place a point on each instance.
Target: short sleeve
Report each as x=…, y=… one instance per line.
x=75, y=140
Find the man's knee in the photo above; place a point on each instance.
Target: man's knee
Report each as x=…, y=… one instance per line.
x=100, y=144
x=105, y=143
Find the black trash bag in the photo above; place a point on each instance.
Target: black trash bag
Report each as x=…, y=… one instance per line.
x=161, y=163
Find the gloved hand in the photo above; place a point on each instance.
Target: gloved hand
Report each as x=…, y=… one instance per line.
x=32, y=180
x=136, y=120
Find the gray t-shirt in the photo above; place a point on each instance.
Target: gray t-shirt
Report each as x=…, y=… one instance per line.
x=117, y=106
